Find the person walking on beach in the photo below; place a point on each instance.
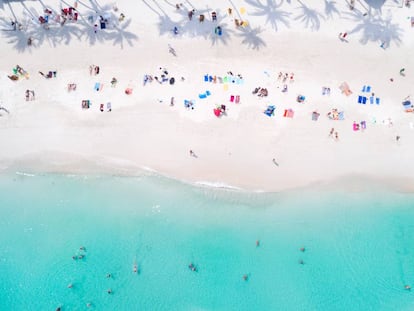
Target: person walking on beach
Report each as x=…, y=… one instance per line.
x=192, y=154
x=331, y=132
x=274, y=162
x=402, y=72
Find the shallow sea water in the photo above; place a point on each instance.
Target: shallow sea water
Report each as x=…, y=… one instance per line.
x=359, y=246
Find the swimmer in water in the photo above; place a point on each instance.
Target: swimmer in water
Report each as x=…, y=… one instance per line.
x=245, y=277
x=108, y=275
x=302, y=249
x=192, y=267
x=109, y=291
x=407, y=287
x=70, y=285
x=301, y=262
x=257, y=243
x=82, y=248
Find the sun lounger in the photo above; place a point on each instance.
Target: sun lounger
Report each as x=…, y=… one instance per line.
x=315, y=116
x=363, y=125
x=270, y=111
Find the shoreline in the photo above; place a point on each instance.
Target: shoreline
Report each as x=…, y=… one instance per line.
x=352, y=183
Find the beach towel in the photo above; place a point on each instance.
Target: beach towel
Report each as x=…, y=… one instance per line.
x=217, y=112
x=86, y=104
x=225, y=87
x=232, y=98
x=364, y=100
x=315, y=116
x=242, y=10
x=341, y=115
x=208, y=93
x=237, y=100
x=344, y=87
x=210, y=78
x=371, y=100
x=202, y=95
x=377, y=101
x=364, y=88
x=220, y=79
x=359, y=99
x=225, y=80
x=368, y=89
x=288, y=113
x=128, y=91
x=205, y=78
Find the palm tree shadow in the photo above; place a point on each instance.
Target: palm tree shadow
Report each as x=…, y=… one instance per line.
x=330, y=9
x=311, y=18
x=120, y=35
x=375, y=29
x=251, y=37
x=274, y=16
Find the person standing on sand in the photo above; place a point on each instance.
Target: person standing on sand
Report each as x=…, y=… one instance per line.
x=331, y=132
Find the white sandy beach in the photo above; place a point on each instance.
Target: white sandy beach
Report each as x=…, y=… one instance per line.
x=144, y=132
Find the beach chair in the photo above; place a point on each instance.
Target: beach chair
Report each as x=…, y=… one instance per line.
x=288, y=113
x=270, y=111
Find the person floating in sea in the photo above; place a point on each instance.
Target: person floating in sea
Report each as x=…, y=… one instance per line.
x=302, y=249
x=245, y=277
x=407, y=287
x=192, y=267
x=257, y=243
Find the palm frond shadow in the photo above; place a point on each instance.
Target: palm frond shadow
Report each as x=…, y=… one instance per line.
x=310, y=17
x=250, y=37
x=271, y=11
x=331, y=10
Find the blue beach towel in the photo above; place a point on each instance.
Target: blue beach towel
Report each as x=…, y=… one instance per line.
x=364, y=88
x=359, y=99
x=364, y=100
x=377, y=101
x=368, y=89
x=208, y=93
x=205, y=78
x=371, y=100
x=202, y=95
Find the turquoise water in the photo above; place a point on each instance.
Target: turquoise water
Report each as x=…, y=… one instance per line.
x=358, y=247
